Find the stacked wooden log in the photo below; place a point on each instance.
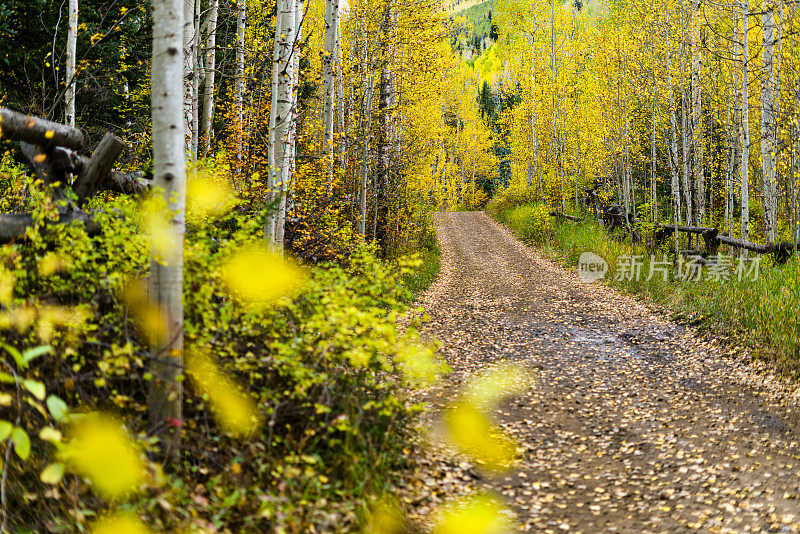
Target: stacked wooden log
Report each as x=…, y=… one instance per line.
x=52, y=150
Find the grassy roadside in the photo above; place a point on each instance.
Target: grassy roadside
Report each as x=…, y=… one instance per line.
x=426, y=273
x=763, y=313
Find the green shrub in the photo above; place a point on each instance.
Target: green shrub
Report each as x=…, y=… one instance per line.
x=324, y=367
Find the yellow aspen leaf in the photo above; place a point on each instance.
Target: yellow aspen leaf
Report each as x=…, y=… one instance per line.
x=207, y=196
x=102, y=451
x=149, y=317
x=233, y=409
x=499, y=382
x=482, y=514
x=474, y=434
x=258, y=276
x=120, y=523
x=52, y=474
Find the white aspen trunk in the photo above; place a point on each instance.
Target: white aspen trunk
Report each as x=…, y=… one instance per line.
x=736, y=154
x=280, y=112
x=340, y=109
x=72, y=43
x=529, y=163
x=271, y=219
x=554, y=75
x=197, y=74
x=687, y=192
x=794, y=177
x=362, y=191
x=241, y=20
x=210, y=65
x=769, y=142
x=697, y=116
x=687, y=186
x=328, y=91
x=188, y=69
x=534, y=139
x=287, y=171
x=653, y=188
x=626, y=184
x=745, y=164
x=577, y=158
x=776, y=136
x=673, y=152
x=169, y=174
x=731, y=156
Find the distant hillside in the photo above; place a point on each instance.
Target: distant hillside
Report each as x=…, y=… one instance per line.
x=476, y=32
x=456, y=6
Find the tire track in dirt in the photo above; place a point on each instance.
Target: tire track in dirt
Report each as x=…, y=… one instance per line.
x=635, y=425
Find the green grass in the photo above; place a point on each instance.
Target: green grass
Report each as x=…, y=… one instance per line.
x=764, y=313
x=426, y=273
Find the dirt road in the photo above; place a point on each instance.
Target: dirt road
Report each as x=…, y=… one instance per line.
x=636, y=425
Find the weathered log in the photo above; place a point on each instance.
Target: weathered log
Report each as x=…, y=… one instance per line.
x=133, y=183
x=13, y=225
x=741, y=243
x=98, y=167
x=49, y=169
x=687, y=229
x=711, y=239
x=129, y=183
x=37, y=131
x=560, y=215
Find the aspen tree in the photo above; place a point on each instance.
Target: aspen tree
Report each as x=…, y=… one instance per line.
x=329, y=64
x=197, y=75
x=769, y=142
x=697, y=116
x=287, y=170
x=673, y=144
x=210, y=65
x=287, y=25
x=653, y=188
x=188, y=69
x=241, y=19
x=166, y=266
x=71, y=78
x=744, y=168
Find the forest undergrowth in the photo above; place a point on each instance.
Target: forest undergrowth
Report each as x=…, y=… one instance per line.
x=306, y=418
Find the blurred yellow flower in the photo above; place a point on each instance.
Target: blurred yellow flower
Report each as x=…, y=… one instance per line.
x=207, y=196
x=120, y=523
x=258, y=276
x=102, y=451
x=474, y=515
x=473, y=433
x=233, y=409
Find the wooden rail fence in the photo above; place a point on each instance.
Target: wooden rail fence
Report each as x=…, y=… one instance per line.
x=612, y=216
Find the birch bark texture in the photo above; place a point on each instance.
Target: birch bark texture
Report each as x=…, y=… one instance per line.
x=697, y=117
x=769, y=141
x=188, y=68
x=744, y=168
x=166, y=266
x=72, y=46
x=279, y=156
x=328, y=92
x=210, y=66
x=241, y=21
